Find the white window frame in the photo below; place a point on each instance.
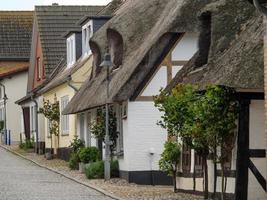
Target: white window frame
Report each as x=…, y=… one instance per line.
x=87, y=33
x=64, y=119
x=71, y=50
x=39, y=66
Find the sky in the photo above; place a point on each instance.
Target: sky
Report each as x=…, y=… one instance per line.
x=29, y=4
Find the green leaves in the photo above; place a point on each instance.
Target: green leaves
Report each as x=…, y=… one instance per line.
x=98, y=127
x=52, y=113
x=170, y=157
x=202, y=120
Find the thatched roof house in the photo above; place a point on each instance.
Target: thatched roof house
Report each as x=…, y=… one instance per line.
x=235, y=58
x=148, y=29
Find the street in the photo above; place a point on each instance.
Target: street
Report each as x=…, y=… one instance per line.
x=23, y=180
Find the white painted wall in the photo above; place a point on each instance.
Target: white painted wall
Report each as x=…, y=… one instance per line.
x=186, y=48
x=257, y=141
x=141, y=133
x=159, y=81
x=15, y=89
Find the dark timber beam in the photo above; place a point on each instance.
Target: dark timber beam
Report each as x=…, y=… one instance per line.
x=241, y=189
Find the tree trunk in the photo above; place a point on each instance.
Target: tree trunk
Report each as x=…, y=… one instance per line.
x=206, y=178
x=51, y=150
x=194, y=178
x=174, y=181
x=223, y=184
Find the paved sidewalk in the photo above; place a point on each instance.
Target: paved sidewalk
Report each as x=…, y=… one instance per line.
x=115, y=188
x=23, y=180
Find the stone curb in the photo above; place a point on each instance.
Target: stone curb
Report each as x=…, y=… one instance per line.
x=64, y=175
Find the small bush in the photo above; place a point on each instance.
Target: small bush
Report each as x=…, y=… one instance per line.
x=76, y=145
x=114, y=168
x=74, y=161
x=89, y=154
x=96, y=170
x=28, y=144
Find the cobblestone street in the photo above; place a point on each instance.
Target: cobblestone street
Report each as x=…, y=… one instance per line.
x=22, y=180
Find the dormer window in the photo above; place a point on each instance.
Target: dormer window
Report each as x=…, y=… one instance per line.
x=87, y=33
x=71, y=50
x=115, y=43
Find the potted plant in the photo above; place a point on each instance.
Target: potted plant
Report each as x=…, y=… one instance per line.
x=88, y=155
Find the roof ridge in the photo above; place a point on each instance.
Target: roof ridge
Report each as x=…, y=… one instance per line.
x=16, y=11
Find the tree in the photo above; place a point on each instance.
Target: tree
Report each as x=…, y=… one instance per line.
x=98, y=127
x=176, y=111
x=220, y=110
x=204, y=120
x=170, y=159
x=52, y=113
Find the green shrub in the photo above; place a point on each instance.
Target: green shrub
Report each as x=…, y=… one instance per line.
x=96, y=170
x=28, y=144
x=76, y=145
x=74, y=161
x=114, y=168
x=89, y=154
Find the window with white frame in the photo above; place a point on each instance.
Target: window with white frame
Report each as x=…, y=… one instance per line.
x=1, y=93
x=64, y=118
x=71, y=51
x=87, y=33
x=2, y=114
x=39, y=68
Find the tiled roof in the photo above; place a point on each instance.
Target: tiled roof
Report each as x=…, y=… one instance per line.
x=11, y=67
x=15, y=35
x=52, y=22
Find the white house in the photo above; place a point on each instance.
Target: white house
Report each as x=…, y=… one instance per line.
x=14, y=64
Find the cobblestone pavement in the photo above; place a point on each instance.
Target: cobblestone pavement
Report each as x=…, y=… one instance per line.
x=22, y=180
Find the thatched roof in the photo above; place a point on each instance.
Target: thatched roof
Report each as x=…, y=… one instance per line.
x=144, y=27
x=236, y=54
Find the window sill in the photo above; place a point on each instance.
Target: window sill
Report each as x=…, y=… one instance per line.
x=65, y=134
x=119, y=154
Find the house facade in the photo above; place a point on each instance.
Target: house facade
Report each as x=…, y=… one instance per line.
x=141, y=67
x=216, y=59
x=48, y=52
x=14, y=64
x=237, y=64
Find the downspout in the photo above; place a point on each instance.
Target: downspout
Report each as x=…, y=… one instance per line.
x=5, y=98
x=36, y=123
x=75, y=90
x=70, y=84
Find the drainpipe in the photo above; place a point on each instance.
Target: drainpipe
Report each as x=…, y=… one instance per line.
x=5, y=99
x=70, y=85
x=36, y=123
